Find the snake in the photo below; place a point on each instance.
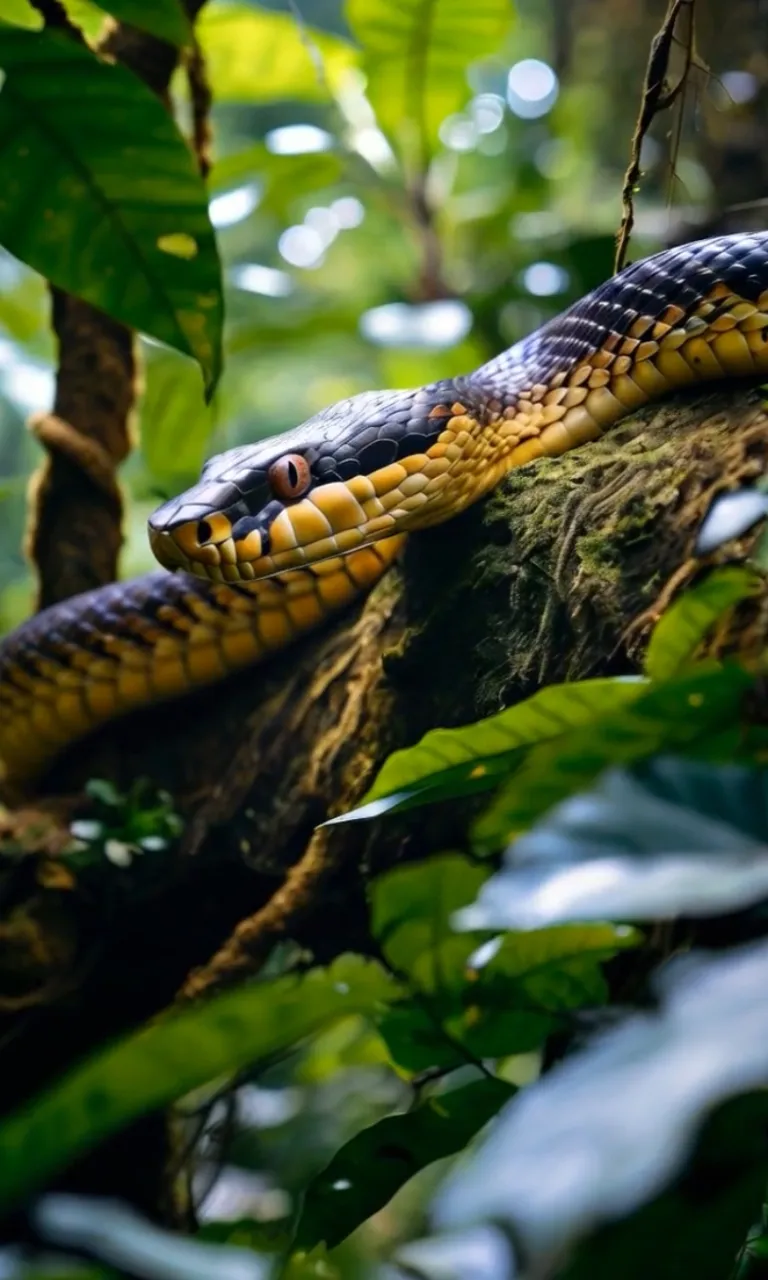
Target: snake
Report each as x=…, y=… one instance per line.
x=279, y=535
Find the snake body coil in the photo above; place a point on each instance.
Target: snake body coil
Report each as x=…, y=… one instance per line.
x=278, y=535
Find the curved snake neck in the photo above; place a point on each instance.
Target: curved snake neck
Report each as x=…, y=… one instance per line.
x=265, y=569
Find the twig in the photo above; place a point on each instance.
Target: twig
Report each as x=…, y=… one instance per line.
x=657, y=97
x=247, y=948
x=200, y=98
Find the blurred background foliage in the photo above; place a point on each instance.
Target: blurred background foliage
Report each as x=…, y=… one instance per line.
x=360, y=251
x=381, y=230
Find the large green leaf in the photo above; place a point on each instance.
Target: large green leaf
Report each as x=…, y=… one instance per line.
x=365, y=1174
x=685, y=624
x=454, y=762
x=634, y=1117
x=527, y=989
x=256, y=55
x=697, y=1226
x=121, y=213
x=166, y=1060
x=416, y=54
x=411, y=906
x=670, y=838
x=465, y=1005
x=175, y=422
x=698, y=714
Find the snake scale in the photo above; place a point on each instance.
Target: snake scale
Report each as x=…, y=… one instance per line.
x=278, y=535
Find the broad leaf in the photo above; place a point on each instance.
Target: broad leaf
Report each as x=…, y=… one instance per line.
x=606, y=1130
x=364, y=1175
x=700, y=714
x=256, y=55
x=674, y=838
x=501, y=998
x=121, y=213
x=698, y=1226
x=176, y=423
x=166, y=1060
x=415, y=56
x=686, y=623
x=411, y=906
x=118, y=1235
x=455, y=762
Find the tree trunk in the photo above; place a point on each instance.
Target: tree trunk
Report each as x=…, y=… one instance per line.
x=560, y=575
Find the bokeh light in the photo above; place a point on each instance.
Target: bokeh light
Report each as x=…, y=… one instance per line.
x=543, y=279
x=532, y=88
x=302, y=246
x=255, y=278
x=297, y=140
x=430, y=324
x=234, y=206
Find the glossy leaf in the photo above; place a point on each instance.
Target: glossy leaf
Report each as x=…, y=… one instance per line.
x=411, y=906
x=699, y=714
x=416, y=54
x=607, y=1129
x=675, y=838
x=176, y=423
x=256, y=55
x=683, y=627
x=469, y=1002
x=166, y=1060
x=364, y=1175
x=121, y=211
x=452, y=762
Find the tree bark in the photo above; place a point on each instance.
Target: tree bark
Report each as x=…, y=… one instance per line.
x=560, y=575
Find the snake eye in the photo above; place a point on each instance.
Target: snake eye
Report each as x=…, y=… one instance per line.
x=290, y=476
x=204, y=532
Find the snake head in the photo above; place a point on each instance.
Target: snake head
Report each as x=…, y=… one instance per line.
x=359, y=471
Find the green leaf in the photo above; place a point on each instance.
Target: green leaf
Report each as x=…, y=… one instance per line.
x=366, y=1173
x=415, y=56
x=683, y=627
x=465, y=1005
x=522, y=994
x=165, y=19
x=411, y=906
x=255, y=55
x=453, y=762
x=634, y=1115
x=669, y=838
x=697, y=1227
x=168, y=1059
x=21, y=13
x=699, y=714
x=175, y=422
x=121, y=211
